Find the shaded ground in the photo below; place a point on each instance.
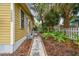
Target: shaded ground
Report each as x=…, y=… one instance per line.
x=23, y=50
x=55, y=48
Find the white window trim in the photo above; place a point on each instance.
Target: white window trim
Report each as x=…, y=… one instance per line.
x=20, y=16
x=25, y=21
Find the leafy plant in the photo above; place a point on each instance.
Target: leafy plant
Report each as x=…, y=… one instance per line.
x=76, y=39
x=48, y=34
x=59, y=36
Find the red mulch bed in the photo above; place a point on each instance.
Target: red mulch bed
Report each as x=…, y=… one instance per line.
x=23, y=50
x=54, y=48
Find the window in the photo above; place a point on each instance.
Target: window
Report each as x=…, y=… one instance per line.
x=22, y=19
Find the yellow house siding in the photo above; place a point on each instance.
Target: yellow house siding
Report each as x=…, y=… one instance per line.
x=19, y=33
x=30, y=24
x=5, y=23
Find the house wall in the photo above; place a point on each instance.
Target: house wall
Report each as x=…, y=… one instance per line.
x=29, y=22
x=20, y=33
x=5, y=17
x=11, y=34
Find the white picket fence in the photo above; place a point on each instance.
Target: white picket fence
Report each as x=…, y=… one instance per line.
x=70, y=32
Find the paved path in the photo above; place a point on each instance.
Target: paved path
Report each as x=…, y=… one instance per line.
x=37, y=47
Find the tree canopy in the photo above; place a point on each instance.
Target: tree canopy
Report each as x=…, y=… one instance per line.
x=50, y=13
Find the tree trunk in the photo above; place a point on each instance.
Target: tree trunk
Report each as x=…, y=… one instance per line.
x=66, y=22
x=42, y=19
x=67, y=18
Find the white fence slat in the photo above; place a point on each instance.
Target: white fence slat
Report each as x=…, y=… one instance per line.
x=70, y=32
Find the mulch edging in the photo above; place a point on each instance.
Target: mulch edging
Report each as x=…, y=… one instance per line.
x=54, y=48
x=30, y=49
x=23, y=50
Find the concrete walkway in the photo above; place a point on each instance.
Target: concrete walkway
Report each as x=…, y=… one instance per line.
x=37, y=47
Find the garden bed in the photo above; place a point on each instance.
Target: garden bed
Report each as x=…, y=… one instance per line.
x=55, y=48
x=23, y=50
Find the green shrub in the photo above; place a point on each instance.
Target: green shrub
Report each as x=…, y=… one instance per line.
x=47, y=34
x=59, y=36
